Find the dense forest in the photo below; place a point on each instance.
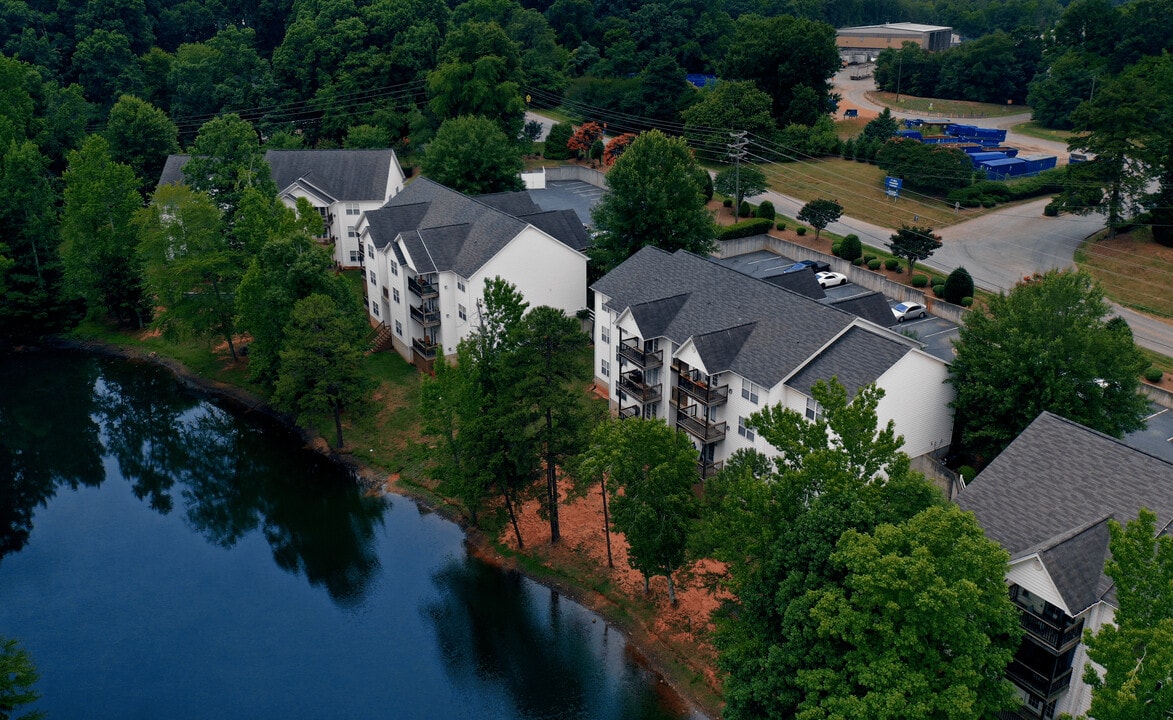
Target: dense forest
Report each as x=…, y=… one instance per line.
x=147, y=75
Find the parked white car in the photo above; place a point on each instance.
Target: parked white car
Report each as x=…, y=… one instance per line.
x=907, y=310
x=828, y=279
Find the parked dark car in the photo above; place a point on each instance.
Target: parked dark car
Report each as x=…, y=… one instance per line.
x=814, y=265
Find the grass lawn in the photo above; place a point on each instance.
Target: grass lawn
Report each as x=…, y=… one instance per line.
x=945, y=108
x=859, y=188
x=1033, y=129
x=1133, y=270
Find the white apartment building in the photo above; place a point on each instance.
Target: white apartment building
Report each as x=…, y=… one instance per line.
x=683, y=338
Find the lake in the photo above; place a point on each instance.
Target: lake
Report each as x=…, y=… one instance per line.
x=163, y=557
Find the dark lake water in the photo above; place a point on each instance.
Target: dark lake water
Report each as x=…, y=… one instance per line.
x=161, y=557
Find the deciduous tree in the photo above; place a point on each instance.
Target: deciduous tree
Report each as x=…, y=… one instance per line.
x=820, y=213
x=99, y=239
x=18, y=675
x=1136, y=652
x=653, y=198
x=740, y=182
x=649, y=469
x=190, y=267
x=919, y=627
x=479, y=74
x=776, y=522
x=584, y=136
x=725, y=107
x=1044, y=346
x=472, y=155
x=321, y=363
x=914, y=243
x=141, y=136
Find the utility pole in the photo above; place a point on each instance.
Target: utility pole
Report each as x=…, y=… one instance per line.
x=899, y=76
x=737, y=152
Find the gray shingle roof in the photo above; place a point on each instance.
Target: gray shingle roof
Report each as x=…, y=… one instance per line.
x=856, y=358
x=802, y=282
x=871, y=306
x=563, y=225
x=443, y=229
x=1059, y=477
x=343, y=175
x=517, y=204
x=786, y=328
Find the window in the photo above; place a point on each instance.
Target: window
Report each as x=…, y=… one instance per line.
x=375, y=308
x=399, y=328
x=370, y=251
x=814, y=411
x=374, y=279
x=605, y=334
x=605, y=369
x=459, y=284
x=743, y=431
x=395, y=269
x=395, y=294
x=750, y=391
x=460, y=312
x=352, y=209
x=354, y=256
x=352, y=232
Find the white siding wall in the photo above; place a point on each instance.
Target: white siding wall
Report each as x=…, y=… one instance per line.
x=916, y=399
x=341, y=230
x=545, y=271
x=1030, y=574
x=1078, y=698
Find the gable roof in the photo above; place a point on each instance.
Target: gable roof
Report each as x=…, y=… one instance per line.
x=856, y=358
x=442, y=229
x=781, y=329
x=872, y=306
x=1051, y=488
x=338, y=175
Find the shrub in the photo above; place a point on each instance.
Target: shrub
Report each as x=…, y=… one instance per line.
x=967, y=473
x=765, y=210
x=781, y=226
x=559, y=135
x=920, y=281
x=967, y=301
x=959, y=284
x=1153, y=374
x=874, y=264
x=727, y=202
x=892, y=264
x=939, y=290
x=801, y=230
x=857, y=261
x=851, y=248
x=868, y=258
x=835, y=248
x=745, y=228
x=744, y=209
x=1051, y=209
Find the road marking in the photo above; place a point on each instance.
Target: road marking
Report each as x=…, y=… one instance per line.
x=942, y=332
x=1159, y=412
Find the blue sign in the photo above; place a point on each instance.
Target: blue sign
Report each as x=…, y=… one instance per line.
x=893, y=186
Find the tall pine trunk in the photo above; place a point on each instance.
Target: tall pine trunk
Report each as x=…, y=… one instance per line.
x=338, y=423
x=606, y=523
x=512, y=517
x=551, y=480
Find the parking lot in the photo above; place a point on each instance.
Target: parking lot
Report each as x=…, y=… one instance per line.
x=568, y=195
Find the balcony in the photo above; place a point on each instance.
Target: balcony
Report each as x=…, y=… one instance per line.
x=704, y=430
x=632, y=384
x=1038, y=683
x=425, y=347
x=426, y=317
x=701, y=391
x=1048, y=633
x=626, y=413
x=422, y=287
x=709, y=468
x=629, y=351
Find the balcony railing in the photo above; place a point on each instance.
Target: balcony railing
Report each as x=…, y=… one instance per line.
x=639, y=390
x=422, y=287
x=709, y=468
x=425, y=347
x=427, y=318
x=702, y=392
x=1047, y=632
x=646, y=360
x=1036, y=682
x=700, y=428
x=626, y=413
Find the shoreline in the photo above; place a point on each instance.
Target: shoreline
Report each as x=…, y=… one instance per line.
x=645, y=647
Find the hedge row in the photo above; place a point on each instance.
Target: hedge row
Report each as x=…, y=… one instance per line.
x=988, y=193
x=745, y=228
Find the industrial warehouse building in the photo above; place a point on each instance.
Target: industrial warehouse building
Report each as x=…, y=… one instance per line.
x=864, y=43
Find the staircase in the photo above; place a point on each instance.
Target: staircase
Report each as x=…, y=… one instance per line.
x=380, y=338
